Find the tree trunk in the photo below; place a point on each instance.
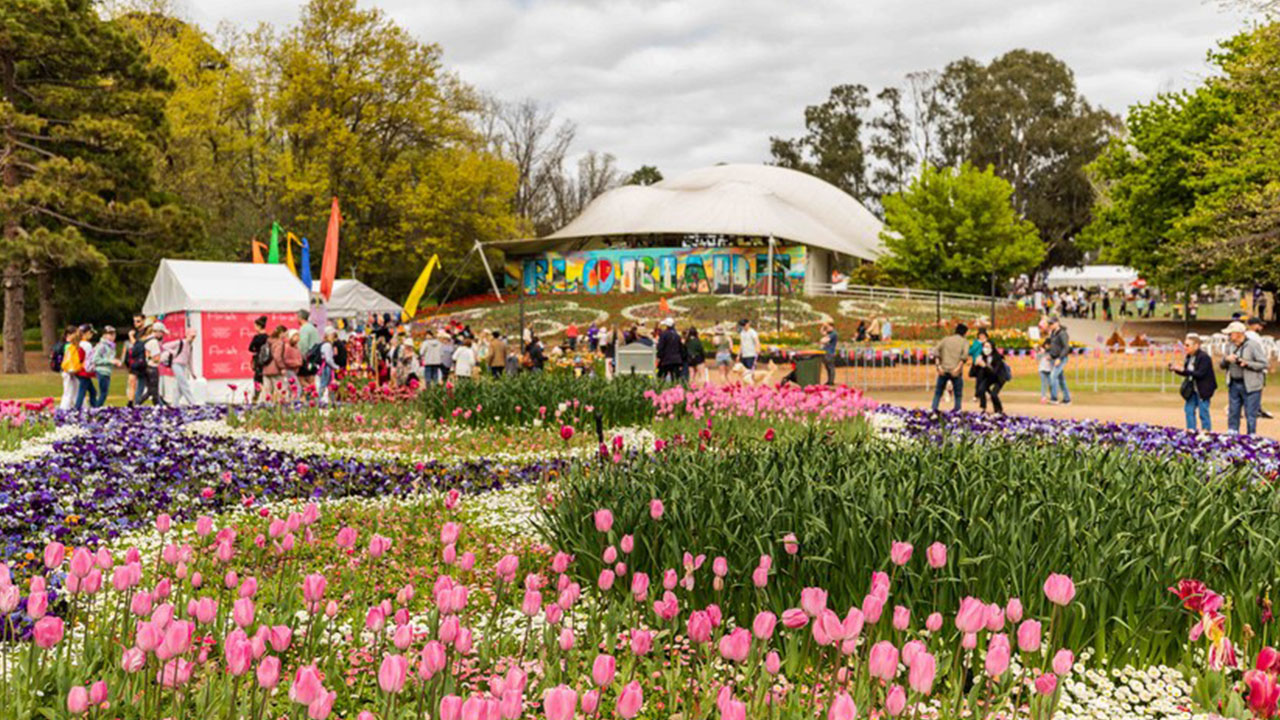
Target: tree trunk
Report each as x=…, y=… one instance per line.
x=15, y=309
x=48, y=311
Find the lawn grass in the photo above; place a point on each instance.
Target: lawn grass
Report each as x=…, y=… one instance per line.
x=39, y=385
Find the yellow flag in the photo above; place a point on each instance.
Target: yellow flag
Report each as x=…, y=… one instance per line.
x=289, y=240
x=419, y=287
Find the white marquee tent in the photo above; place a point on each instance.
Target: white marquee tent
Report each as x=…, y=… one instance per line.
x=352, y=299
x=230, y=294
x=1091, y=276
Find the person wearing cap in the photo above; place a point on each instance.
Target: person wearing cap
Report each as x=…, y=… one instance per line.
x=103, y=361
x=1246, y=366
x=149, y=382
x=671, y=353
x=1059, y=351
x=1255, y=333
x=176, y=354
x=1199, y=382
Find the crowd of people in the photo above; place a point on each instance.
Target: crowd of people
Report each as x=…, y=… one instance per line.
x=87, y=367
x=1093, y=303
x=1246, y=364
x=991, y=372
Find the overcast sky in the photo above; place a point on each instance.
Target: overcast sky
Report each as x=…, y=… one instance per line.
x=685, y=83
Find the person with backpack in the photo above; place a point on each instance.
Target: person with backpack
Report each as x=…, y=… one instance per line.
x=992, y=372
x=260, y=356
x=136, y=359
x=84, y=370
x=58, y=362
x=103, y=361
x=149, y=381
x=273, y=371
x=697, y=354
x=176, y=356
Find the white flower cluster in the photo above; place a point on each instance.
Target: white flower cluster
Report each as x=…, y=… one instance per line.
x=1126, y=693
x=37, y=446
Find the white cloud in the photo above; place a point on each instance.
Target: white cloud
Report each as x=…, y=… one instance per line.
x=685, y=83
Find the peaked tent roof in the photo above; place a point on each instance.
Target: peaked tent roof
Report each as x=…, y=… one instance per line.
x=352, y=297
x=224, y=287
x=741, y=200
x=1112, y=276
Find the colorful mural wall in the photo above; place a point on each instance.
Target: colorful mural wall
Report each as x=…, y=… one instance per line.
x=730, y=270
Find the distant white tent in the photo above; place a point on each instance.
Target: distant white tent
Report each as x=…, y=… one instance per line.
x=1091, y=276
x=187, y=285
x=352, y=298
x=219, y=301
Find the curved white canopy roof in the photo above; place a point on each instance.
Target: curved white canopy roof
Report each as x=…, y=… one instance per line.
x=351, y=298
x=224, y=287
x=742, y=200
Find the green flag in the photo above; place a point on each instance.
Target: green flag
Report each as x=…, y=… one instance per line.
x=273, y=254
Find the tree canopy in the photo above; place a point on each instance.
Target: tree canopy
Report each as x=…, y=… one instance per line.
x=954, y=228
x=1191, y=194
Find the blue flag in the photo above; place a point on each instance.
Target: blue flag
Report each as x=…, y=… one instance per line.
x=304, y=269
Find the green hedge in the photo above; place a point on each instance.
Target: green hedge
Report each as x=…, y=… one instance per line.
x=1124, y=526
x=621, y=401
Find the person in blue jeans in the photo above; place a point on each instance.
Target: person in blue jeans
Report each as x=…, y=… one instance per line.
x=1059, y=351
x=1246, y=365
x=1199, y=384
x=103, y=360
x=950, y=356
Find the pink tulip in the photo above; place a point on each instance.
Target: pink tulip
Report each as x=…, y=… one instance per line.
x=163, y=523
x=969, y=641
x=532, y=603
x=242, y=612
x=280, y=636
x=736, y=645
x=1029, y=636
x=998, y=652
x=901, y=618
x=995, y=617
x=511, y=706
x=630, y=701
x=791, y=544
x=895, y=701
x=47, y=631
x=794, y=618
x=1013, y=610
x=206, y=610
x=378, y=546
x=133, y=660
x=566, y=639
x=883, y=660
x=656, y=509
x=832, y=629
x=873, y=607
x=699, y=627
x=1046, y=684
x=560, y=563
x=772, y=663
x=306, y=687
x=1059, y=589
x=604, y=520
x=933, y=623
x=972, y=616
x=346, y=538
x=38, y=604
x=668, y=608
x=98, y=693
x=449, y=533
x=900, y=553
x=640, y=586
x=464, y=642
x=560, y=703
x=320, y=708
x=54, y=554
x=268, y=672
x=432, y=659
x=813, y=600
x=313, y=587
x=1062, y=662
x=81, y=562
x=733, y=710
x=605, y=581
x=249, y=587
x=641, y=642
x=627, y=544
x=175, y=673
x=760, y=577
x=842, y=708
x=911, y=650
x=78, y=700
x=720, y=567
x=238, y=652
x=936, y=554
x=603, y=669
x=392, y=673
x=924, y=668
x=763, y=625
x=450, y=708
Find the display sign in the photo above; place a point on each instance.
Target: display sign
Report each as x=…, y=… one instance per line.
x=224, y=339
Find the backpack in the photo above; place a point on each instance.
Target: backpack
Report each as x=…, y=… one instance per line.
x=262, y=357
x=56, y=355
x=1006, y=373
x=168, y=359
x=340, y=353
x=311, y=363
x=137, y=357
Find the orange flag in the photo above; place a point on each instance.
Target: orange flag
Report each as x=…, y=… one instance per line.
x=663, y=306
x=329, y=265
x=257, y=251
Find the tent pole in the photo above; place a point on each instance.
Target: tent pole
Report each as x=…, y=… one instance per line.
x=488, y=271
x=770, y=265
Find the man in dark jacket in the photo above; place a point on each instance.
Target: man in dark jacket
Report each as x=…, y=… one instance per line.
x=1059, y=351
x=671, y=355
x=1200, y=383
